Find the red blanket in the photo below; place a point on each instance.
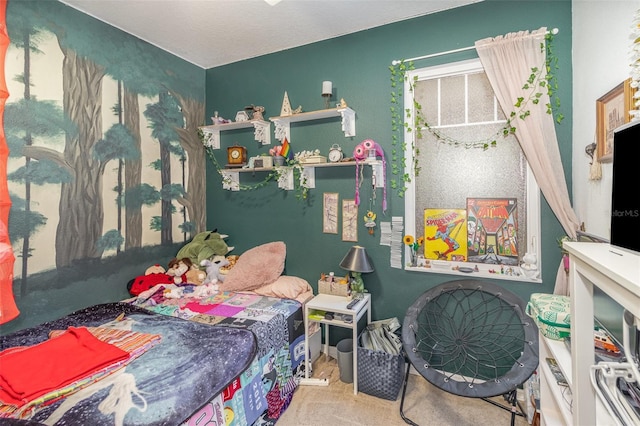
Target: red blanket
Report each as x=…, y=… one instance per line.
x=27, y=373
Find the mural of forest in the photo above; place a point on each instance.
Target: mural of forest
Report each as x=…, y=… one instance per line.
x=106, y=172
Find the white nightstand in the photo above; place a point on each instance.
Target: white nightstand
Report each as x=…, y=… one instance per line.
x=336, y=305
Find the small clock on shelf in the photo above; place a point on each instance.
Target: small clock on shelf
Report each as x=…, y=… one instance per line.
x=335, y=153
x=236, y=156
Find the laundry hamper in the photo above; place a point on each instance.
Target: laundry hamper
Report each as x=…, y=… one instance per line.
x=380, y=374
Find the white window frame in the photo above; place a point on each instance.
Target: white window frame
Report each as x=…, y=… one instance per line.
x=532, y=192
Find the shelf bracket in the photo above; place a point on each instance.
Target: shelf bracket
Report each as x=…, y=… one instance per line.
x=282, y=130
x=211, y=138
x=285, y=178
x=377, y=172
x=230, y=180
x=348, y=121
x=262, y=132
x=308, y=177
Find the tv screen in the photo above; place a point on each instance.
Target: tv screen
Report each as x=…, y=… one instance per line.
x=625, y=198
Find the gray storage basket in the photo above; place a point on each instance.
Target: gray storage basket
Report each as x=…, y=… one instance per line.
x=380, y=374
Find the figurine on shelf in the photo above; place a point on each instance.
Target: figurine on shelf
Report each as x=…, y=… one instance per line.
x=249, y=111
x=216, y=119
x=257, y=113
x=242, y=116
x=286, y=106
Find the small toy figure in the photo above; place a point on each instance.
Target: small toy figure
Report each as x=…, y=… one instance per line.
x=213, y=269
x=257, y=113
x=370, y=221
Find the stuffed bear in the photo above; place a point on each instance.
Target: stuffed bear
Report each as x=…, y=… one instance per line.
x=213, y=269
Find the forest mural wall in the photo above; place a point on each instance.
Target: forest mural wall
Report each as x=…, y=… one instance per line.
x=106, y=172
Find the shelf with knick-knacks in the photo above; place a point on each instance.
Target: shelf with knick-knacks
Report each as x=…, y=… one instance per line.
x=283, y=123
x=261, y=133
x=231, y=177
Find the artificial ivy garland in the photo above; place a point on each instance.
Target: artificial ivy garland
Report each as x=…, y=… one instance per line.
x=534, y=86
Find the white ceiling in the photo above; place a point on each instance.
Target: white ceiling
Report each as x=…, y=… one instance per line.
x=210, y=33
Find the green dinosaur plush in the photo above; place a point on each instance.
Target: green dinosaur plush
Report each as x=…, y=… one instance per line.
x=203, y=246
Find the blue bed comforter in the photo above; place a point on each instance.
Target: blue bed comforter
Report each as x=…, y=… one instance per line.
x=192, y=363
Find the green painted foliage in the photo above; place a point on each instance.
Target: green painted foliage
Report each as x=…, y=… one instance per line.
x=143, y=194
x=117, y=143
x=40, y=173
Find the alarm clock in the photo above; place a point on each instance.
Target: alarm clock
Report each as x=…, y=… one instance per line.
x=335, y=153
x=236, y=156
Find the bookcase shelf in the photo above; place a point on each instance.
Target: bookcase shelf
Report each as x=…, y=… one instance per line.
x=615, y=272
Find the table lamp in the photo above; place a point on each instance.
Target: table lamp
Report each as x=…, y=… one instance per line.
x=357, y=261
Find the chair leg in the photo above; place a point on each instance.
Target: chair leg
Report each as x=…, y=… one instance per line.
x=514, y=405
x=404, y=391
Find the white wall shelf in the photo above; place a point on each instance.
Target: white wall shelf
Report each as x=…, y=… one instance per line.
x=617, y=273
x=261, y=133
x=231, y=177
x=283, y=123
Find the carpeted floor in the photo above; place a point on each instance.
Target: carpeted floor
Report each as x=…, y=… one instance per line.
x=424, y=404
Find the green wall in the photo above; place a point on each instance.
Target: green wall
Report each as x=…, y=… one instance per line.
x=358, y=65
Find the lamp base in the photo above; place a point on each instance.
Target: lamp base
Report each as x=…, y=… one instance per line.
x=357, y=284
x=327, y=100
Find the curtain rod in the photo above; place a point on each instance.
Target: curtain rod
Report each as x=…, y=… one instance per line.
x=448, y=52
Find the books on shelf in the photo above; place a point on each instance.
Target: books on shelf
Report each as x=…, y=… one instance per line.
x=557, y=373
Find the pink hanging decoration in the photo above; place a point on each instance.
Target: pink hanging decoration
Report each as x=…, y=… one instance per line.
x=361, y=153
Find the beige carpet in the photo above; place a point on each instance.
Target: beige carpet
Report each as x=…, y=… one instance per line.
x=424, y=404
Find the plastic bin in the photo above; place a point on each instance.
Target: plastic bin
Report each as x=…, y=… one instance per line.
x=345, y=360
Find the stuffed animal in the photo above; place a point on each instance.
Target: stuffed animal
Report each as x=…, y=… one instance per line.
x=178, y=269
x=213, y=269
x=155, y=269
x=203, y=246
x=153, y=275
x=195, y=275
x=205, y=290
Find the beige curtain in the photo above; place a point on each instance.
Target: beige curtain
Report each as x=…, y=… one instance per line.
x=508, y=62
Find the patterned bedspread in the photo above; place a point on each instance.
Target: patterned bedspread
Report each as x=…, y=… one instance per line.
x=265, y=389
x=175, y=378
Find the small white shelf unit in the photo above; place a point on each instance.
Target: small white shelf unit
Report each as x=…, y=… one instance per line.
x=617, y=273
x=283, y=122
x=261, y=132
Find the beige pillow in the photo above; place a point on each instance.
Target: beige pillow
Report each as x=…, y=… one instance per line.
x=285, y=287
x=256, y=267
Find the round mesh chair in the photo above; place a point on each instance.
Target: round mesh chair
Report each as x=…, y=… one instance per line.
x=471, y=338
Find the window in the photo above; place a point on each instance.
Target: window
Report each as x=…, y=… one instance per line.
x=492, y=189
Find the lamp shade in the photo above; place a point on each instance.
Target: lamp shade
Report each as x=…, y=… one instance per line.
x=357, y=260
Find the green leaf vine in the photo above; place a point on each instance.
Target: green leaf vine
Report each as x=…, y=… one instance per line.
x=403, y=121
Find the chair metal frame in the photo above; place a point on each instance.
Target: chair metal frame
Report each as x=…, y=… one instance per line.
x=465, y=304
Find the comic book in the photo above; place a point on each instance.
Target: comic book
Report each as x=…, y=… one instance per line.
x=492, y=229
x=445, y=234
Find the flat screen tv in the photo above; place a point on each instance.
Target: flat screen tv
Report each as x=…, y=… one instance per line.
x=625, y=194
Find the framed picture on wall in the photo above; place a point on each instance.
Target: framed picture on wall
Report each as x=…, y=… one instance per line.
x=349, y=220
x=612, y=111
x=330, y=212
